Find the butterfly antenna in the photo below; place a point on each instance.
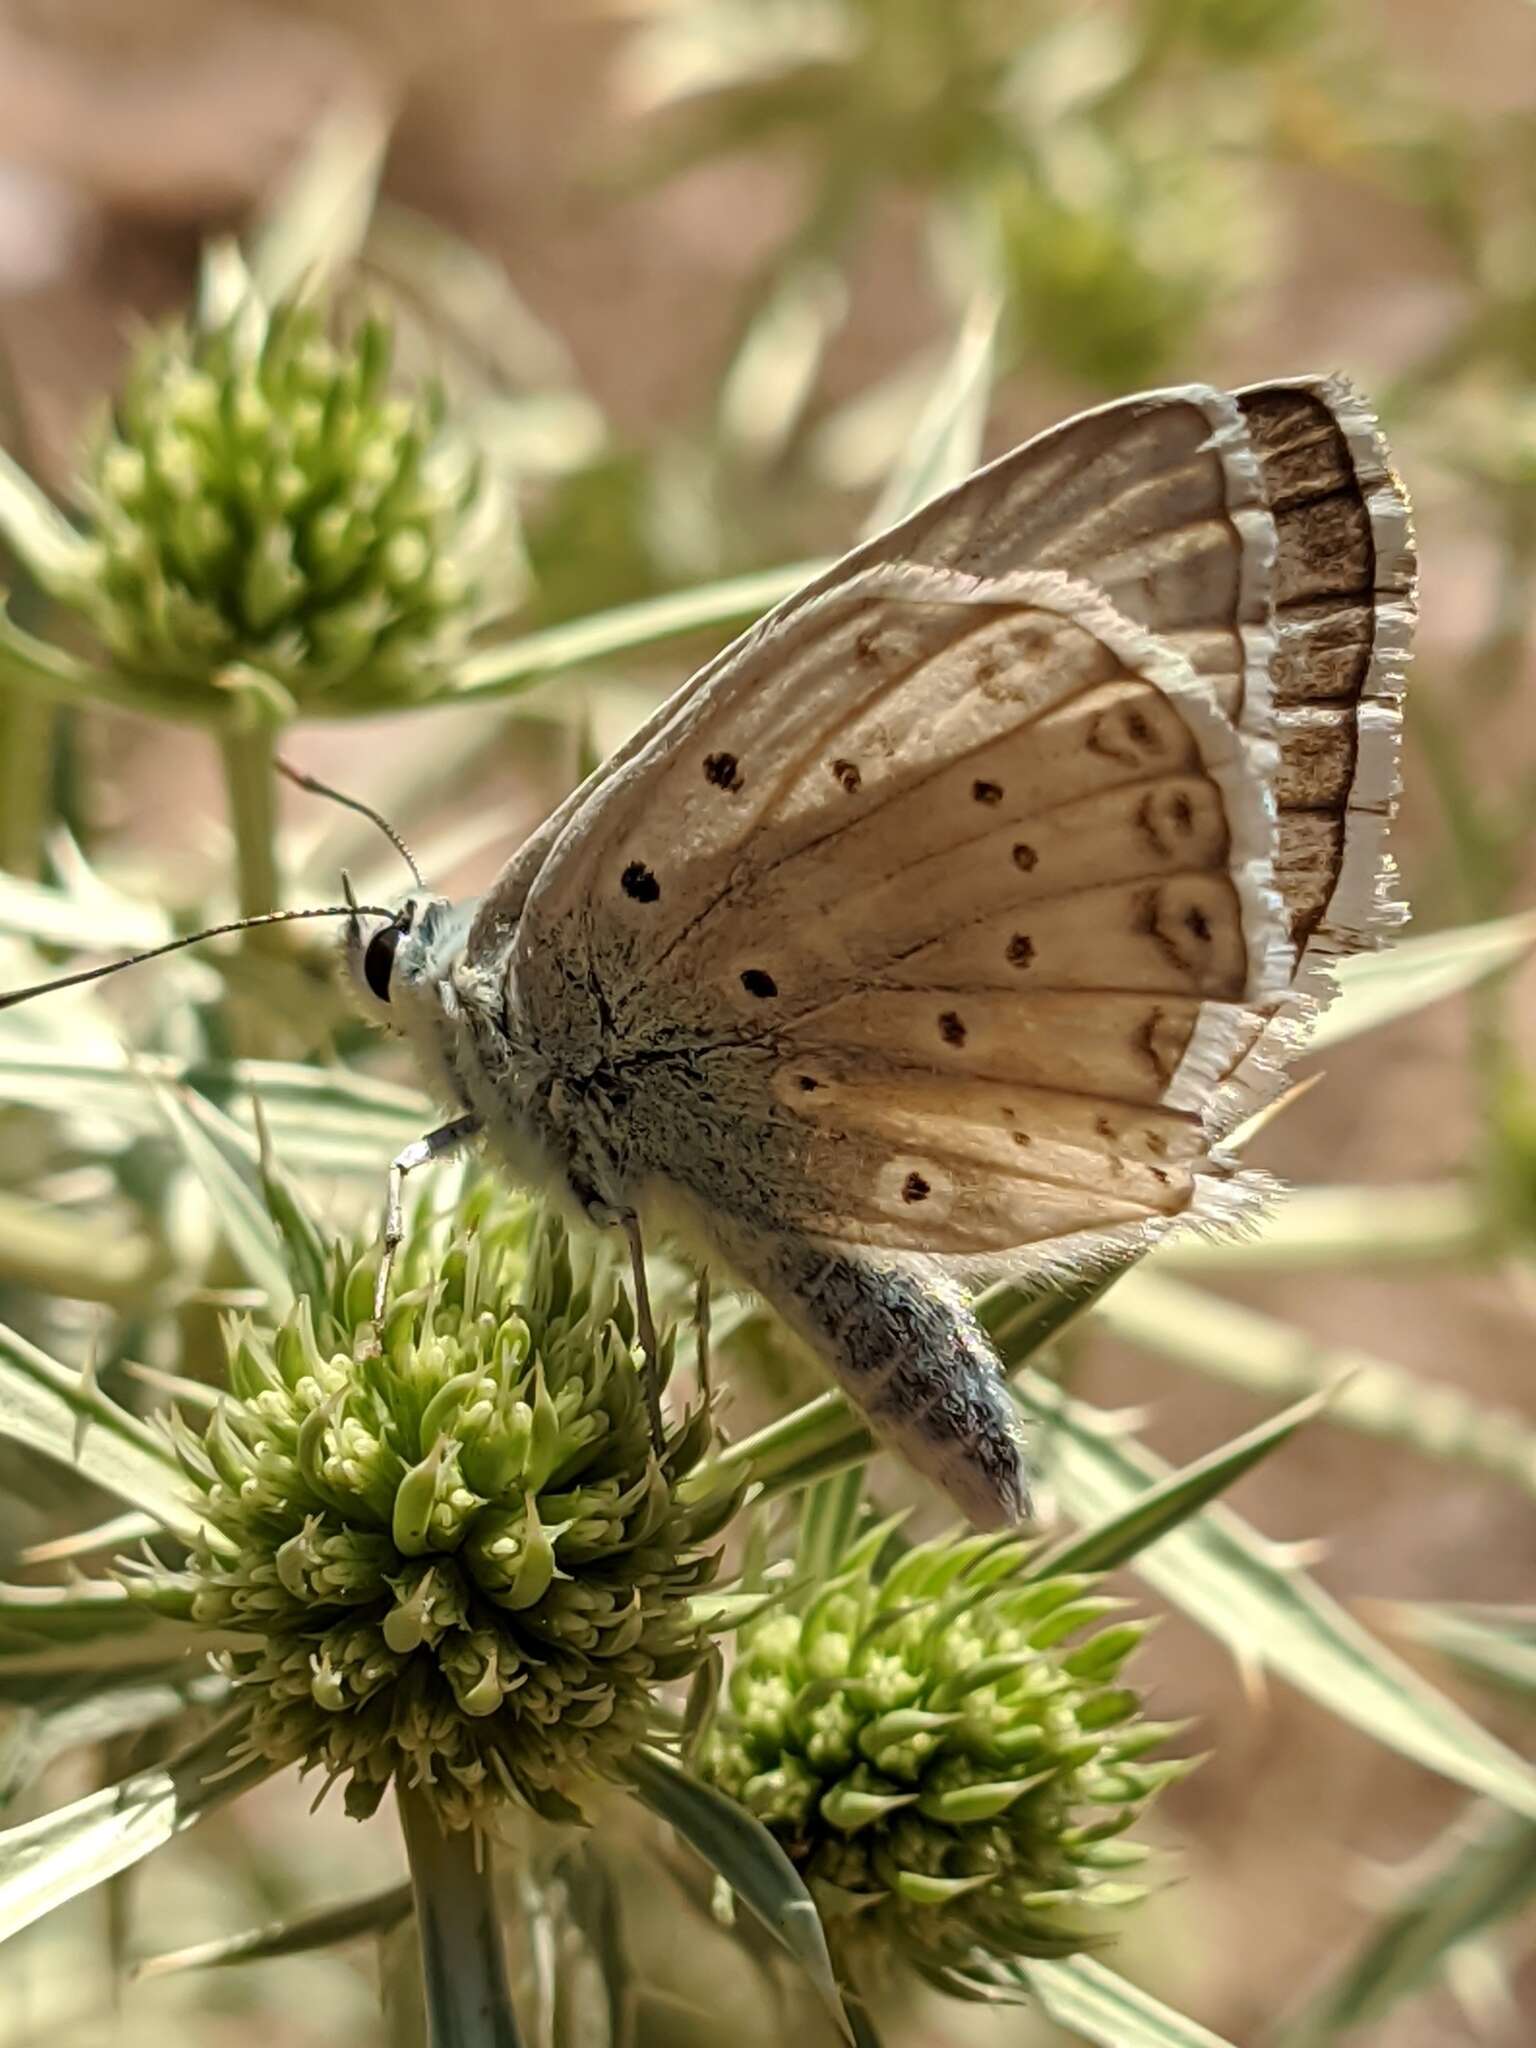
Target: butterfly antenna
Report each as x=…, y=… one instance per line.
x=315, y=787
x=12, y=997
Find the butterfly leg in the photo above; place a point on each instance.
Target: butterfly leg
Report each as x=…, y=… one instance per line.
x=439, y=1144
x=701, y=1307
x=647, y=1323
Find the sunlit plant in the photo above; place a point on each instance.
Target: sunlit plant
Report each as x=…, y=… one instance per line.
x=262, y=496
x=444, y=1562
x=453, y=1557
x=942, y=1746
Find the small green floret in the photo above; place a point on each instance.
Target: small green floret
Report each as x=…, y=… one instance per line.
x=264, y=496
x=945, y=1753
x=456, y=1560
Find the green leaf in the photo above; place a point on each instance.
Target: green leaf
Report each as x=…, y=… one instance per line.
x=855, y=445
x=829, y=1515
x=298, y=1232
x=1378, y=988
x=99, y=920
x=220, y=1155
x=519, y=664
x=227, y=294
x=764, y=393
x=301, y=1934
x=78, y=1613
x=1239, y=1587
x=53, y=1859
x=590, y=1905
x=118, y=1533
x=316, y=222
x=59, y=677
x=742, y=1851
x=1275, y=1359
x=1492, y=1643
x=476, y=310
x=58, y=558
x=463, y=1963
x=1315, y=1228
x=320, y=1119
x=1021, y=1323
x=822, y=1435
x=945, y=445
x=720, y=1613
x=1143, y=1521
x=862, y=2029
x=50, y=1250
x=56, y=1716
x=1096, y=2005
x=1483, y=1873
x=45, y=1407
x=59, y=1634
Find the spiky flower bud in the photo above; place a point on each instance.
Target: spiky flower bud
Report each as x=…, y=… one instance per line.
x=952, y=1779
x=455, y=1557
x=262, y=496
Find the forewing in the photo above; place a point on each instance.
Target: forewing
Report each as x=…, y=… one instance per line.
x=1155, y=500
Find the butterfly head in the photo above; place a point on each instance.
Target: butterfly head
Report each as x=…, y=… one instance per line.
x=399, y=964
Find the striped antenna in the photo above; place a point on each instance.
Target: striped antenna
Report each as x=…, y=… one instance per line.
x=12, y=997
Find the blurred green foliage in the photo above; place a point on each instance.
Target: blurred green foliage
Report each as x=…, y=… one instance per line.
x=1114, y=195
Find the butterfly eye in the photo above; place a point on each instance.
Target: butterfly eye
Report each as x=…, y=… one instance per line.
x=379, y=959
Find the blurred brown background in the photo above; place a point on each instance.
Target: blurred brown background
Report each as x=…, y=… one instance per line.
x=129, y=129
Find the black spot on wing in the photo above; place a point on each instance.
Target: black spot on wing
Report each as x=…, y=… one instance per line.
x=757, y=983
x=638, y=882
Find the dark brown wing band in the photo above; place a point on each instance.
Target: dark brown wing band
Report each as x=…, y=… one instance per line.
x=1344, y=605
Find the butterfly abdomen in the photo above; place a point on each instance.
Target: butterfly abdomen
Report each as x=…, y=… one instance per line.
x=906, y=1350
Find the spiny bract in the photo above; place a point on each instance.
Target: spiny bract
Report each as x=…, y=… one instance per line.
x=262, y=496
x=457, y=1559
x=950, y=1780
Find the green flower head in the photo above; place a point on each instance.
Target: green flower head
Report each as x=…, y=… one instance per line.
x=952, y=1780
x=454, y=1556
x=263, y=496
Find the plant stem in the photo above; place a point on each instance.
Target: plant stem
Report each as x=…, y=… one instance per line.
x=463, y=1966
x=518, y=664
x=27, y=728
x=48, y=1249
x=249, y=781
x=820, y=1437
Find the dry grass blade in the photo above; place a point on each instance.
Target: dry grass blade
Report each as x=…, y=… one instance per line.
x=46, y=1862
x=1482, y=1873
x=301, y=1934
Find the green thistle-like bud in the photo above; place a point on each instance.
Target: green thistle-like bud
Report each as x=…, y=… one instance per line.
x=262, y=496
x=945, y=1752
x=454, y=1557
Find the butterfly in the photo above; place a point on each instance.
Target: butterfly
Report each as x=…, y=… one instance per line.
x=946, y=923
